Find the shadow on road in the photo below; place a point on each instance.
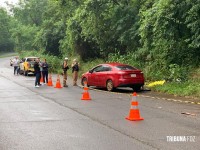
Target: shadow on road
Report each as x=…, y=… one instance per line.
x=124, y=90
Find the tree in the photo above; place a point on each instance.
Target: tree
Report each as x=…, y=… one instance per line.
x=52, y=29
x=193, y=23
x=28, y=15
x=30, y=12
x=6, y=42
x=97, y=28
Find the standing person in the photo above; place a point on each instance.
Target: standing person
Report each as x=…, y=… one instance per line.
x=37, y=72
x=45, y=67
x=40, y=66
x=75, y=69
x=16, y=65
x=65, y=67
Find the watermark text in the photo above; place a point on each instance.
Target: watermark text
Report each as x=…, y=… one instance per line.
x=180, y=138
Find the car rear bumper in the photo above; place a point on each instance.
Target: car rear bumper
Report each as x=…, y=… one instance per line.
x=130, y=83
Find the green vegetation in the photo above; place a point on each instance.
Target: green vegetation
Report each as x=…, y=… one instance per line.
x=160, y=37
x=7, y=54
x=6, y=41
x=189, y=88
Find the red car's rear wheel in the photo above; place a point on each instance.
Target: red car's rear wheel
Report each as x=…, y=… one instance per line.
x=109, y=85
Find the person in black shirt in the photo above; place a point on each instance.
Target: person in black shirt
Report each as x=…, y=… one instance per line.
x=37, y=73
x=45, y=67
x=75, y=69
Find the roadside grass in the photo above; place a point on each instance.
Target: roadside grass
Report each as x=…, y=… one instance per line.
x=189, y=88
x=7, y=54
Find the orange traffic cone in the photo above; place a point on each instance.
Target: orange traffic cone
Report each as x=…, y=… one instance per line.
x=58, y=85
x=50, y=83
x=41, y=79
x=86, y=94
x=134, y=113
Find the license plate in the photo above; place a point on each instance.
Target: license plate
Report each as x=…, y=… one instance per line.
x=133, y=75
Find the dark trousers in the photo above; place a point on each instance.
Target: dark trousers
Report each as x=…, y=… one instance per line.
x=65, y=78
x=45, y=76
x=37, y=78
x=16, y=69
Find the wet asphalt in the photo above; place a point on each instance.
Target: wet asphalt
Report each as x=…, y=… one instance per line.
x=48, y=118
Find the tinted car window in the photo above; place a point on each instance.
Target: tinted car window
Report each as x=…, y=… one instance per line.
x=98, y=69
x=31, y=59
x=106, y=68
x=102, y=69
x=126, y=67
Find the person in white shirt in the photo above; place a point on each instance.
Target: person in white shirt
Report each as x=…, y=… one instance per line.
x=16, y=65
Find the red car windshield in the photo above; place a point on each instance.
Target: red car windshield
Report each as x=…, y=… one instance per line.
x=125, y=67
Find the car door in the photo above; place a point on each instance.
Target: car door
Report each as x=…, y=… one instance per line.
x=93, y=78
x=103, y=75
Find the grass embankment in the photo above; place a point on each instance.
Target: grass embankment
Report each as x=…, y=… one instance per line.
x=190, y=87
x=7, y=54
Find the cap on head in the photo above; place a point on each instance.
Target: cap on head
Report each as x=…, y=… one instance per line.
x=66, y=58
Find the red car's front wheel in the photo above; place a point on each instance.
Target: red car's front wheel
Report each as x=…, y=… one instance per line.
x=83, y=81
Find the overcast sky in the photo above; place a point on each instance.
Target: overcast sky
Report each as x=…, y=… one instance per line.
x=2, y=2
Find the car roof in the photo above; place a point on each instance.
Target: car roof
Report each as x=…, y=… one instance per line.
x=114, y=64
x=32, y=57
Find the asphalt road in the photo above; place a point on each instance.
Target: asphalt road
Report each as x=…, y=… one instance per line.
x=47, y=118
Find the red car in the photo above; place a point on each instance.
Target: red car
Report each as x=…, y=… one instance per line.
x=113, y=75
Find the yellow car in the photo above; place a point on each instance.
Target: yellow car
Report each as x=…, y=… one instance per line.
x=27, y=65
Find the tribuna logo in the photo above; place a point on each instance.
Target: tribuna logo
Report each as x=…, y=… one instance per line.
x=180, y=138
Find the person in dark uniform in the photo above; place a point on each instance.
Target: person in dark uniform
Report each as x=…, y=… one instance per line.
x=65, y=67
x=45, y=67
x=75, y=69
x=37, y=73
